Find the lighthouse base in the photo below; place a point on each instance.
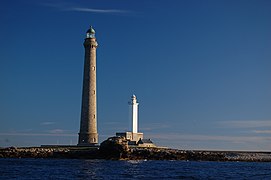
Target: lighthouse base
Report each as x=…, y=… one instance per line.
x=87, y=139
x=130, y=136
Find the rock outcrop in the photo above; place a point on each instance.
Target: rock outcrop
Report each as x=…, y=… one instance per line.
x=114, y=148
x=189, y=155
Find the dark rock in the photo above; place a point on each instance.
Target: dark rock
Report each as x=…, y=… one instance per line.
x=114, y=148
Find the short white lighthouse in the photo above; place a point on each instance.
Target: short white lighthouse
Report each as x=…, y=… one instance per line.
x=134, y=137
x=134, y=116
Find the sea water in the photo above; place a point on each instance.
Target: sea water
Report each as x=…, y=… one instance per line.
x=104, y=169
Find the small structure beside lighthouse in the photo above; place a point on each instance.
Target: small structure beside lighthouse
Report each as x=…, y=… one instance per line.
x=88, y=135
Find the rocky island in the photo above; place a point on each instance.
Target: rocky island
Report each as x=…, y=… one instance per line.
x=118, y=149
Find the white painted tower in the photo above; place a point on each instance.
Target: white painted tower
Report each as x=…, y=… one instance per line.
x=134, y=136
x=134, y=117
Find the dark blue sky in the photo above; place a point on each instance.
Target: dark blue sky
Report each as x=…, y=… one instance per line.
x=200, y=69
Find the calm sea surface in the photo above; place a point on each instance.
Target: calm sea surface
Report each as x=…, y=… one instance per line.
x=102, y=169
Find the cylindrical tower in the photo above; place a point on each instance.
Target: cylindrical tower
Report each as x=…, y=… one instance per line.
x=88, y=127
x=134, y=117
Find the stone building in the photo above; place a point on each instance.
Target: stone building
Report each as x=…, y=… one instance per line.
x=145, y=143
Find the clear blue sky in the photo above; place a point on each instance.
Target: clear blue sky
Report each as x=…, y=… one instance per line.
x=201, y=71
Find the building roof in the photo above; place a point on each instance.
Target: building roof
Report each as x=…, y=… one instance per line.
x=143, y=141
x=131, y=142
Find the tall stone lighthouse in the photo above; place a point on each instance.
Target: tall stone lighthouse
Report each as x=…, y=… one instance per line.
x=88, y=135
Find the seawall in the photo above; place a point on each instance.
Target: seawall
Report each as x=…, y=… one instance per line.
x=50, y=152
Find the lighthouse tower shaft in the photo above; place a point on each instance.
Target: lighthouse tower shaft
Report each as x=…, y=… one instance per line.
x=88, y=126
x=134, y=106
